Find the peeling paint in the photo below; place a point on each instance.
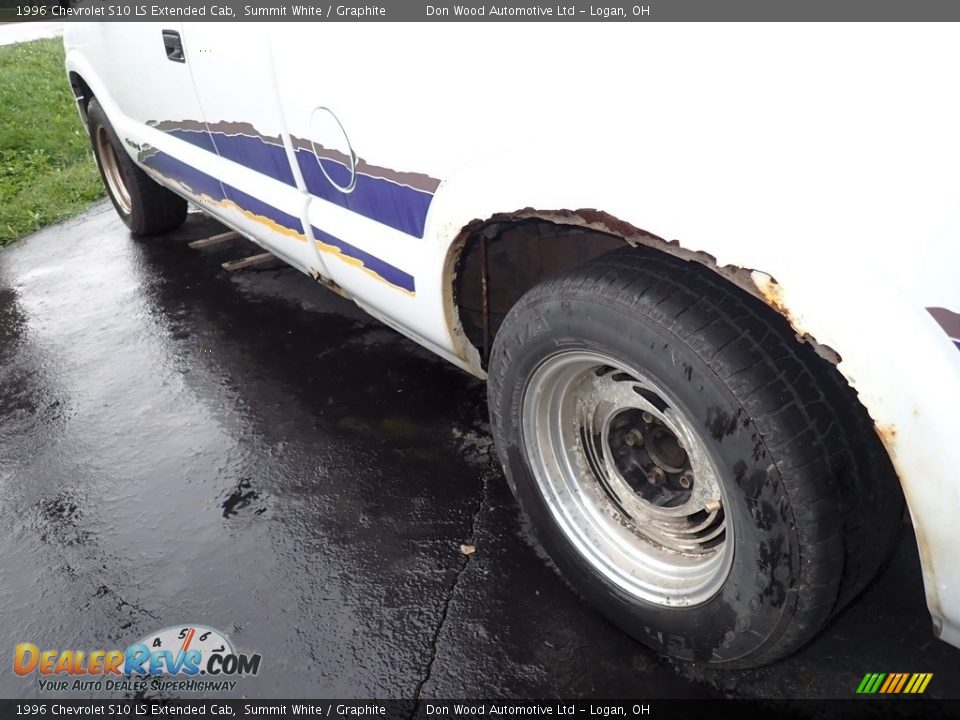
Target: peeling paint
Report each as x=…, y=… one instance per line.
x=608, y=224
x=888, y=436
x=272, y=225
x=461, y=344
x=360, y=265
x=755, y=282
x=329, y=284
x=771, y=292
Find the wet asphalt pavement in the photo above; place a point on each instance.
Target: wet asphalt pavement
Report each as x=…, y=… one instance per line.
x=250, y=452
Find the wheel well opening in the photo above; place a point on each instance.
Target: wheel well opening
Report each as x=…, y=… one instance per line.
x=501, y=260
x=82, y=93
x=494, y=262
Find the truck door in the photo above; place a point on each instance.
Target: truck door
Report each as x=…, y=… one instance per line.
x=235, y=82
x=369, y=197
x=152, y=103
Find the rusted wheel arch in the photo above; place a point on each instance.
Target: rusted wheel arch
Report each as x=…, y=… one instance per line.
x=490, y=265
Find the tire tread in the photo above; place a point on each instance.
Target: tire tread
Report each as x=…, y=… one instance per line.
x=844, y=493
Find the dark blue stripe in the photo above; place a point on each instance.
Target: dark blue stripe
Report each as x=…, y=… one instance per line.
x=258, y=207
x=393, y=275
x=957, y=343
x=200, y=138
x=266, y=158
x=398, y=206
x=201, y=183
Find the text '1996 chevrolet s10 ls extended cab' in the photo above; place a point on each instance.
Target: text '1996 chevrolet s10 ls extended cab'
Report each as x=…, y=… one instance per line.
x=710, y=273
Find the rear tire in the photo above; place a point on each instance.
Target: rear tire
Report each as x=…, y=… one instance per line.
x=145, y=206
x=702, y=477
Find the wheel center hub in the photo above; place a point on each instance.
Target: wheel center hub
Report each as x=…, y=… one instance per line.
x=648, y=461
x=626, y=473
x=650, y=458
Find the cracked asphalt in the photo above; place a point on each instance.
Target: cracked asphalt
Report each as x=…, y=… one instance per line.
x=250, y=452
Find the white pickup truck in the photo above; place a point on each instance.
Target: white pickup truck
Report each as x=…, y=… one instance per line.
x=710, y=272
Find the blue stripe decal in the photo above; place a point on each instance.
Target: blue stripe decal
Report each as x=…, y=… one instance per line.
x=199, y=138
x=398, y=206
x=266, y=158
x=258, y=207
x=957, y=343
x=394, y=204
x=199, y=183
x=390, y=273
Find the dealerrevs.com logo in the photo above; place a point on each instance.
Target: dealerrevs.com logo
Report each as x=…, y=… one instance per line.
x=185, y=658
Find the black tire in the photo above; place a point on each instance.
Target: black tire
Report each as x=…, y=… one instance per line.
x=811, y=495
x=150, y=207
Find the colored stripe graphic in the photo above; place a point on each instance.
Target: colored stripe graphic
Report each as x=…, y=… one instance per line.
x=265, y=158
x=891, y=680
x=398, y=206
x=949, y=321
x=200, y=138
x=894, y=683
x=393, y=275
x=400, y=200
x=200, y=184
x=900, y=683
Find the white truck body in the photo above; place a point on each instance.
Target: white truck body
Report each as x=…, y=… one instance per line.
x=820, y=159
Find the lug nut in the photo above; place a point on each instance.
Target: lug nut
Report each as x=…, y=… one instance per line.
x=656, y=477
x=686, y=481
x=647, y=417
x=634, y=437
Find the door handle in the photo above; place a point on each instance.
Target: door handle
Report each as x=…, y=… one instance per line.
x=174, y=46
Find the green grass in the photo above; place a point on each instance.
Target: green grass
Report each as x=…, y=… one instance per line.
x=47, y=171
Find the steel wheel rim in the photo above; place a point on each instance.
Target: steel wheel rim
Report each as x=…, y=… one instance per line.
x=112, y=171
x=666, y=543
